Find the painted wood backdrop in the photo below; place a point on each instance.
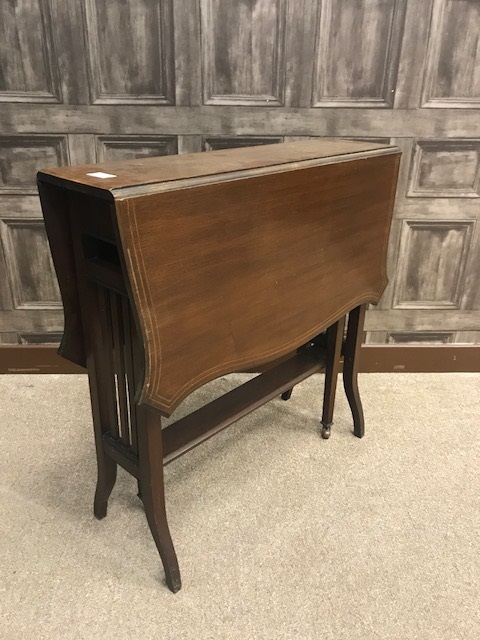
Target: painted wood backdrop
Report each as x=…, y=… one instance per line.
x=89, y=80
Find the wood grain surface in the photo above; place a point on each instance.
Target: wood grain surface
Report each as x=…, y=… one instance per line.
x=231, y=275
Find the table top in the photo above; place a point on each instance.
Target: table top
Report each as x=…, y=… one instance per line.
x=113, y=179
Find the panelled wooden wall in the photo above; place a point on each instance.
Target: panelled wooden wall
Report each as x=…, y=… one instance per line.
x=90, y=80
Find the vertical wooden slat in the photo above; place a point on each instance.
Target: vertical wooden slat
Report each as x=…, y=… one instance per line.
x=130, y=371
x=105, y=358
x=119, y=364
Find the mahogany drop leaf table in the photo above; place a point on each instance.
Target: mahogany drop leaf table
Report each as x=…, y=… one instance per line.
x=177, y=270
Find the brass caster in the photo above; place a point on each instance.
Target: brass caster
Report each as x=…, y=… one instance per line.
x=326, y=432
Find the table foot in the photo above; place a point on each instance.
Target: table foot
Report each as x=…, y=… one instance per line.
x=107, y=475
x=326, y=431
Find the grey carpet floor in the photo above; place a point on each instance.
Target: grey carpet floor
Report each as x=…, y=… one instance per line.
x=279, y=534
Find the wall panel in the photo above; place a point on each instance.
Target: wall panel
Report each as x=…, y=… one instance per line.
x=28, y=64
x=453, y=58
x=130, y=47
x=357, y=53
x=445, y=169
x=243, y=47
x=29, y=266
x=22, y=156
x=113, y=148
x=431, y=264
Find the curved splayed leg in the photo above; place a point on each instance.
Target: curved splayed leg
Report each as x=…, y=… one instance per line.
x=153, y=493
x=356, y=319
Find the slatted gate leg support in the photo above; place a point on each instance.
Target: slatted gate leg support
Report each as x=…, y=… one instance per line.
x=150, y=450
x=332, y=369
x=356, y=319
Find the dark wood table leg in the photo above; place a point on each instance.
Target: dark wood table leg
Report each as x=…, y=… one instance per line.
x=106, y=467
x=332, y=369
x=150, y=449
x=356, y=319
